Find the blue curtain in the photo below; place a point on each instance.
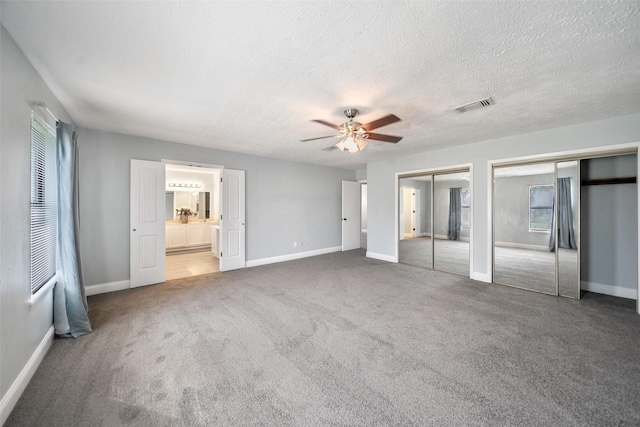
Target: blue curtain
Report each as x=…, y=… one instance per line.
x=566, y=231
x=69, y=299
x=455, y=213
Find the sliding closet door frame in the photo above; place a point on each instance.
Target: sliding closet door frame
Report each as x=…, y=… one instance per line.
x=578, y=206
x=432, y=223
x=556, y=215
x=577, y=155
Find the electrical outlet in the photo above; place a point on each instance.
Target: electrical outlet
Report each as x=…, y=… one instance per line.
x=295, y=244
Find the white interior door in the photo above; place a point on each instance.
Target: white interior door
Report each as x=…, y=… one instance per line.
x=232, y=220
x=408, y=212
x=147, y=232
x=416, y=216
x=351, y=203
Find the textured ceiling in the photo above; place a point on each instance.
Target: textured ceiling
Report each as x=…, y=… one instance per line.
x=249, y=76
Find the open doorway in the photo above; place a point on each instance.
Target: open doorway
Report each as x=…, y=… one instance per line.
x=192, y=213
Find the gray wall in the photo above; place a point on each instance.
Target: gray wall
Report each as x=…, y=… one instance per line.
x=511, y=199
x=382, y=181
x=285, y=201
x=609, y=224
x=22, y=327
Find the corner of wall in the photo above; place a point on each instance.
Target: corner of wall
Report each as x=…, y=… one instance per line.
x=12, y=395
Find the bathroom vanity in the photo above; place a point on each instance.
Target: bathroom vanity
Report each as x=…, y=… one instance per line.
x=190, y=235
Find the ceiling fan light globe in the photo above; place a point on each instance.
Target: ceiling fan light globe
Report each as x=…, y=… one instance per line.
x=361, y=143
x=350, y=144
x=340, y=145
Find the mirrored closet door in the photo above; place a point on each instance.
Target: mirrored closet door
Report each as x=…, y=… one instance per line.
x=435, y=221
x=536, y=211
x=451, y=222
x=415, y=246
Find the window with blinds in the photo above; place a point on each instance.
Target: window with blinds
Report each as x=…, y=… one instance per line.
x=44, y=203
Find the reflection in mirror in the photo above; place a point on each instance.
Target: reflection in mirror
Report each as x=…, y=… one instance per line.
x=415, y=221
x=198, y=202
x=451, y=222
x=568, y=214
x=169, y=210
x=522, y=218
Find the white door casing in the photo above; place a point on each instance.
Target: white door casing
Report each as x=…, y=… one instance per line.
x=147, y=223
x=351, y=215
x=401, y=214
x=232, y=220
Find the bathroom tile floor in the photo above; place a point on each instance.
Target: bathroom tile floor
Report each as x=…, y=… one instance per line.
x=191, y=264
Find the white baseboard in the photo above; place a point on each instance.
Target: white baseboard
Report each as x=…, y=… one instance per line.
x=522, y=246
x=381, y=257
x=107, y=287
x=481, y=277
x=290, y=257
x=616, y=291
x=12, y=395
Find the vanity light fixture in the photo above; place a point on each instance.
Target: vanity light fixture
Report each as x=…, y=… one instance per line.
x=181, y=185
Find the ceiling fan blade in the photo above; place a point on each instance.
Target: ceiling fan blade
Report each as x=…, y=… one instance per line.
x=385, y=138
x=322, y=122
x=386, y=120
x=320, y=137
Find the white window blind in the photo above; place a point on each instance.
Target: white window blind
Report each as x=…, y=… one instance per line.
x=44, y=203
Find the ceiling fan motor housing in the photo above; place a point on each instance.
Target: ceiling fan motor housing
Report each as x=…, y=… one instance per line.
x=351, y=112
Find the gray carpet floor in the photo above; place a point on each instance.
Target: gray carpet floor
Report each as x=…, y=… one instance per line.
x=341, y=339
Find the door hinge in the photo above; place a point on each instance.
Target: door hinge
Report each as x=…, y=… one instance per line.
x=220, y=254
x=220, y=179
x=220, y=216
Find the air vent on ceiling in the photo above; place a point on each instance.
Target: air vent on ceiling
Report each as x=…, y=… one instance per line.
x=474, y=105
x=331, y=148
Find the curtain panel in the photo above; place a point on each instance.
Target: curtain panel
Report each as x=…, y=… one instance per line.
x=565, y=229
x=455, y=213
x=69, y=298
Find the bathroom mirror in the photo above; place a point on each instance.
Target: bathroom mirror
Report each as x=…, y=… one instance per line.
x=197, y=201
